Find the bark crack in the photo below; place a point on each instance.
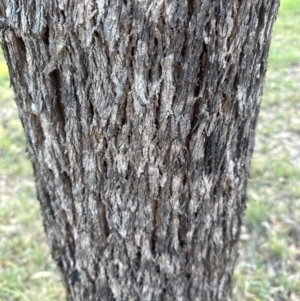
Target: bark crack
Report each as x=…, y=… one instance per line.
x=154, y=221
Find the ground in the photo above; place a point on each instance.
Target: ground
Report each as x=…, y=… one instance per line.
x=269, y=265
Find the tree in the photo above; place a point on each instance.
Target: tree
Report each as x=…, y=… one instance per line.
x=139, y=118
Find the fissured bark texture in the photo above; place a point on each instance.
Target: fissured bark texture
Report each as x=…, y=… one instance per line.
x=140, y=117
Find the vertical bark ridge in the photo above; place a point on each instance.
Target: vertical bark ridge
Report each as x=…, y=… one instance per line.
x=140, y=137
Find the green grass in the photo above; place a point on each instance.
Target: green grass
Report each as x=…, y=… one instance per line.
x=26, y=270
x=269, y=264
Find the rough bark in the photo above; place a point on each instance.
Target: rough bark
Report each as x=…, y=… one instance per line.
x=140, y=118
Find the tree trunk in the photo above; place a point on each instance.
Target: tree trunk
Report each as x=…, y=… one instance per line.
x=140, y=118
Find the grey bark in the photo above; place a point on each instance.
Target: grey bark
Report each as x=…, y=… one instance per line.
x=140, y=118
